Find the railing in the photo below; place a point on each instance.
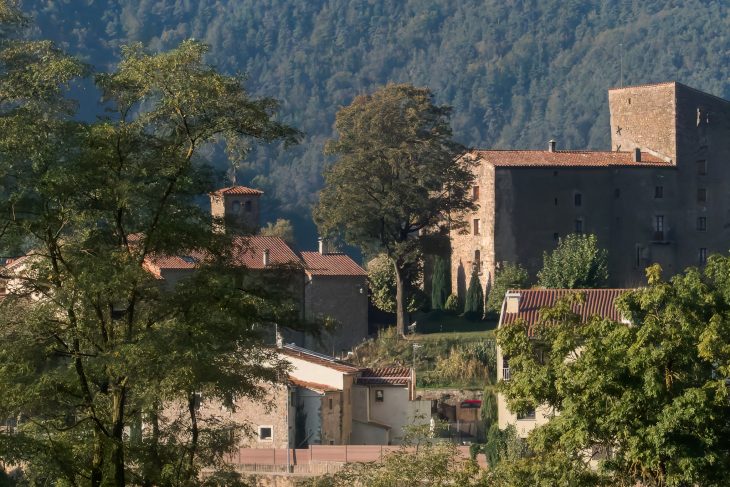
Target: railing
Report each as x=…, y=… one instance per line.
x=506, y=374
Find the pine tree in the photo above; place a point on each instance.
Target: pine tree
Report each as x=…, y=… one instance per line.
x=440, y=283
x=474, y=305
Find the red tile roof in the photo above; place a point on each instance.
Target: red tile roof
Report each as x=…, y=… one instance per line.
x=532, y=158
x=238, y=190
x=392, y=376
x=331, y=264
x=247, y=252
x=321, y=388
x=317, y=358
x=598, y=302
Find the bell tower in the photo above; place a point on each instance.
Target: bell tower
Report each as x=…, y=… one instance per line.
x=237, y=207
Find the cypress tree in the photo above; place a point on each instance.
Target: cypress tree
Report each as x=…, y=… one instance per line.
x=440, y=283
x=474, y=305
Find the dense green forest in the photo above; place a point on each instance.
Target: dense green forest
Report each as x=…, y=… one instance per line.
x=517, y=72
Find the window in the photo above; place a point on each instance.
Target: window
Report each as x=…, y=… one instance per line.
x=556, y=236
x=266, y=433
x=478, y=261
x=332, y=442
x=555, y=173
x=476, y=226
x=701, y=168
x=703, y=256
x=529, y=414
x=379, y=395
x=475, y=193
x=247, y=206
x=505, y=369
x=579, y=225
x=331, y=404
x=702, y=224
x=578, y=199
x=639, y=255
x=556, y=202
x=236, y=206
x=701, y=195
x=659, y=227
x=659, y=192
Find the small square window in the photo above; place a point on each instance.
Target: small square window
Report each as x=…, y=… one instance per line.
x=701, y=168
x=379, y=395
x=703, y=256
x=476, y=226
x=659, y=192
x=701, y=195
x=332, y=442
x=702, y=224
x=579, y=226
x=578, y=199
x=266, y=433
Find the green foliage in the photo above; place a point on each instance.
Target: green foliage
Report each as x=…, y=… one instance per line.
x=453, y=304
x=396, y=172
x=474, y=303
x=651, y=397
x=382, y=283
x=507, y=276
x=281, y=228
x=440, y=283
x=578, y=262
x=489, y=408
x=92, y=344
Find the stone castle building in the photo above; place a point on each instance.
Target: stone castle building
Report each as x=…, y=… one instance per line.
x=658, y=196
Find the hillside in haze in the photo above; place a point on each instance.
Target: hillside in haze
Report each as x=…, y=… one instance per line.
x=517, y=73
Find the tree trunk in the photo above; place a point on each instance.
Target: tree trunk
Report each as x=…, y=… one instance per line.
x=98, y=459
x=401, y=300
x=194, y=432
x=118, y=400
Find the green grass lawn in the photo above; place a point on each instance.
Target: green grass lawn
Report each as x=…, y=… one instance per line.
x=440, y=323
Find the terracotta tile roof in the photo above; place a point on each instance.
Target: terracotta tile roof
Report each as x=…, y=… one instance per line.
x=317, y=358
x=532, y=158
x=598, y=302
x=331, y=264
x=321, y=388
x=247, y=251
x=238, y=190
x=391, y=376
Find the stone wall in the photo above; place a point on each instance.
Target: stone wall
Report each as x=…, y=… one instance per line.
x=345, y=300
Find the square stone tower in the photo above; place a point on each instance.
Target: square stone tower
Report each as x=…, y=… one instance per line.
x=238, y=208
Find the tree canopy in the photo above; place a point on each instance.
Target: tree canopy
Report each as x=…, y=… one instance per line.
x=92, y=345
x=507, y=276
x=649, y=399
x=397, y=172
x=577, y=262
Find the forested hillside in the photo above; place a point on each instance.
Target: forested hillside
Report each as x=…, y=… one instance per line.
x=517, y=72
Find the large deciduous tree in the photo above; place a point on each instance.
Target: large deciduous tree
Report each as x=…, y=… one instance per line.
x=397, y=173
x=577, y=262
x=507, y=276
x=649, y=399
x=94, y=352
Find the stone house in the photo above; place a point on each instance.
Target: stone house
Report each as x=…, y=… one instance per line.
x=327, y=401
x=524, y=305
x=657, y=196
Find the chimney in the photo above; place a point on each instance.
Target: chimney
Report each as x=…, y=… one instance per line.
x=551, y=146
x=637, y=155
x=266, y=257
x=320, y=243
x=512, y=303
